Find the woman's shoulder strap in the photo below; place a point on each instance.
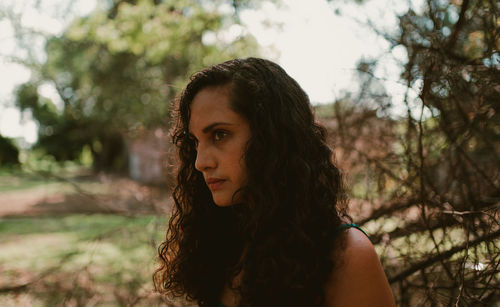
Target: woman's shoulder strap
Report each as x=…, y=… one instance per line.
x=349, y=225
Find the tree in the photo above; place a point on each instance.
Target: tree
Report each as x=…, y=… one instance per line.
x=117, y=70
x=9, y=154
x=432, y=177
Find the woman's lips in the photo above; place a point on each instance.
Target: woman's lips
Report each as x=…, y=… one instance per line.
x=215, y=184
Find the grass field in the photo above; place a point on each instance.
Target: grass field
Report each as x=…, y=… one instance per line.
x=53, y=255
x=78, y=259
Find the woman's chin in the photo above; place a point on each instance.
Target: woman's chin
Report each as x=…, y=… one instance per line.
x=225, y=200
x=223, y=203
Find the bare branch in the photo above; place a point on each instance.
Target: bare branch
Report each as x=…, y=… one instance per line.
x=442, y=256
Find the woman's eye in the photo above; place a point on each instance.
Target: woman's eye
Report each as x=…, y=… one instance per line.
x=219, y=135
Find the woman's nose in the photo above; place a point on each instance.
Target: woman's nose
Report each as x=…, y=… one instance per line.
x=205, y=159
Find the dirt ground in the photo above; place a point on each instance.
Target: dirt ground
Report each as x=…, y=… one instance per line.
x=81, y=277
x=109, y=194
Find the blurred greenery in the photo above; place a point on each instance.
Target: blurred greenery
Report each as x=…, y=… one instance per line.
x=41, y=169
x=12, y=181
x=27, y=181
x=117, y=70
x=94, y=259
x=9, y=153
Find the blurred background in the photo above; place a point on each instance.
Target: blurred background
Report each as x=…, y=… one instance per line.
x=408, y=90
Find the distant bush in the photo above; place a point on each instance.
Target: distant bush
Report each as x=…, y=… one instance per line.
x=9, y=154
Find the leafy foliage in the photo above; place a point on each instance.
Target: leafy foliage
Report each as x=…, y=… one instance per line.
x=9, y=154
x=117, y=69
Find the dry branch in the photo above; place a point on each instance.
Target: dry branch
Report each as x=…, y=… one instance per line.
x=442, y=256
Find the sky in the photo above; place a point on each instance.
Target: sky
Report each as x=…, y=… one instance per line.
x=315, y=45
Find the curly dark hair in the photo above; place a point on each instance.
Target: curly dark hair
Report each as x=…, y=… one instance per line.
x=283, y=235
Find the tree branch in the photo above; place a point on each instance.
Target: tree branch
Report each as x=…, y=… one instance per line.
x=442, y=256
x=458, y=26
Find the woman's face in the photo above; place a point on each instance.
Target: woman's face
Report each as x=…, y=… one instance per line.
x=222, y=136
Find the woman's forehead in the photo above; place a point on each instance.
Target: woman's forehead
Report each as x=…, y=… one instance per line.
x=212, y=105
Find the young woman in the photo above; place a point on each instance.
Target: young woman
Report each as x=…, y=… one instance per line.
x=259, y=215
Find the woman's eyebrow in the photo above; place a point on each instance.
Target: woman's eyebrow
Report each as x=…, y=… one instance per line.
x=211, y=126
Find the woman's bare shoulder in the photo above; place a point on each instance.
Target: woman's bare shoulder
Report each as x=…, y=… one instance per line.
x=359, y=279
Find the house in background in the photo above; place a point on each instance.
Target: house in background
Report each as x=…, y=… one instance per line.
x=149, y=153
